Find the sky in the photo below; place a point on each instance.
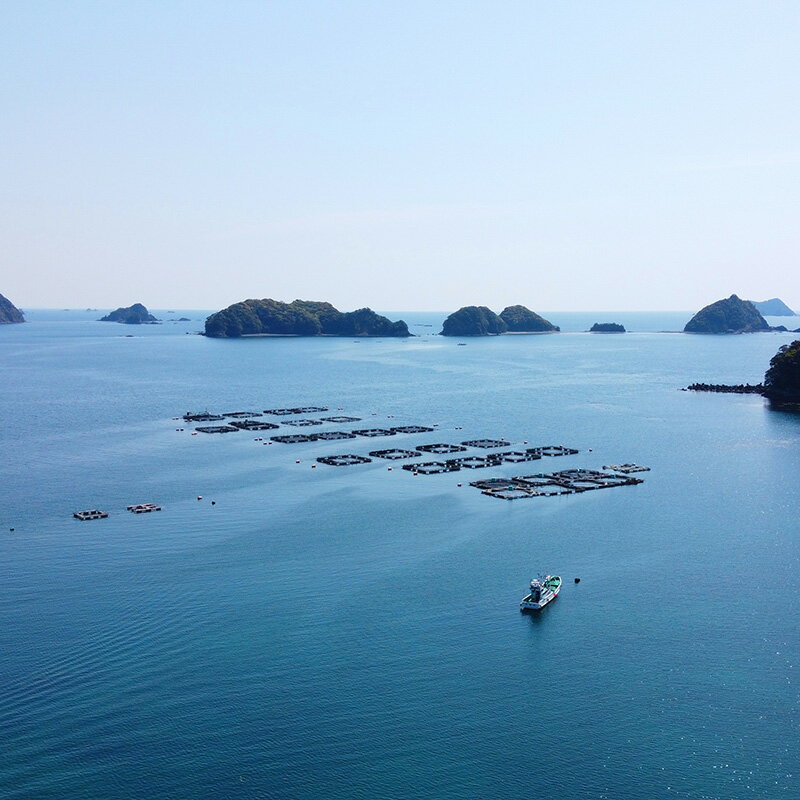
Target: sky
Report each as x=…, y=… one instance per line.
x=399, y=155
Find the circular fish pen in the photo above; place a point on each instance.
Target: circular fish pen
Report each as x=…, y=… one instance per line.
x=345, y=460
x=486, y=443
x=440, y=448
x=395, y=454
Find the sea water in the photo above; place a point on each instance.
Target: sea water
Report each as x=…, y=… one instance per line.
x=354, y=632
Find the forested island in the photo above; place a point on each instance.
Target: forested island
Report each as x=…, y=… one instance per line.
x=731, y=315
x=482, y=321
x=9, y=313
x=269, y=317
x=136, y=314
x=607, y=327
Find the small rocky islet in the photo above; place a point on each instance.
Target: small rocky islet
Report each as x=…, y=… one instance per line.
x=136, y=314
x=607, y=327
x=9, y=313
x=482, y=321
x=269, y=317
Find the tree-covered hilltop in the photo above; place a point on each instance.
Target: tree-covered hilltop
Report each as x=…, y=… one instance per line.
x=136, y=314
x=9, y=313
x=298, y=318
x=520, y=319
x=607, y=327
x=732, y=315
x=782, y=380
x=473, y=321
x=773, y=308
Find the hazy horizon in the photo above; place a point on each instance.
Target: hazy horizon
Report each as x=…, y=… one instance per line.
x=574, y=156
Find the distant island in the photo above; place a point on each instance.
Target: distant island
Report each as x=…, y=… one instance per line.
x=607, y=327
x=782, y=380
x=482, y=321
x=9, y=313
x=136, y=314
x=773, y=308
x=299, y=318
x=732, y=315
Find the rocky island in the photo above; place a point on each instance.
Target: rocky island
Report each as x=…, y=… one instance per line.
x=9, y=313
x=136, y=314
x=299, y=318
x=482, y=321
x=473, y=321
x=782, y=380
x=607, y=327
x=522, y=320
x=773, y=308
x=732, y=315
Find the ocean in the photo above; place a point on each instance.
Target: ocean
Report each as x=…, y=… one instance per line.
x=354, y=632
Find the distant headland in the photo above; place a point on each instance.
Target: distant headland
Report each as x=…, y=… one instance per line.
x=773, y=308
x=299, y=318
x=731, y=315
x=9, y=313
x=136, y=314
x=482, y=321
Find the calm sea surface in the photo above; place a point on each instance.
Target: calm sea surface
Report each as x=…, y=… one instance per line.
x=354, y=632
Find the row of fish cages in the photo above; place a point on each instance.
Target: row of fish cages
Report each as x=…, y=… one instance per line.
x=297, y=438
x=568, y=481
x=208, y=416
x=369, y=433
x=450, y=464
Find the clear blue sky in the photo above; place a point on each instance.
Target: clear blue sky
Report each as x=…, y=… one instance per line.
x=402, y=155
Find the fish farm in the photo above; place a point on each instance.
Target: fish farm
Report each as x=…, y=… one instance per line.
x=570, y=481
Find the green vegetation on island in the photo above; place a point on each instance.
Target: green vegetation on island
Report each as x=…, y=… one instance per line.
x=522, y=320
x=473, y=321
x=136, y=314
x=298, y=318
x=9, y=313
x=482, y=321
x=607, y=327
x=732, y=315
x=782, y=379
x=773, y=308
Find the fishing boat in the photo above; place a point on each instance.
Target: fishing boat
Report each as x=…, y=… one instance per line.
x=543, y=589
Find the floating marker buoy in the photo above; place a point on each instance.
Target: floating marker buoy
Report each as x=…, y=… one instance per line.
x=12, y=530
x=313, y=466
x=458, y=484
x=213, y=502
x=577, y=580
x=199, y=497
x=388, y=469
x=298, y=461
